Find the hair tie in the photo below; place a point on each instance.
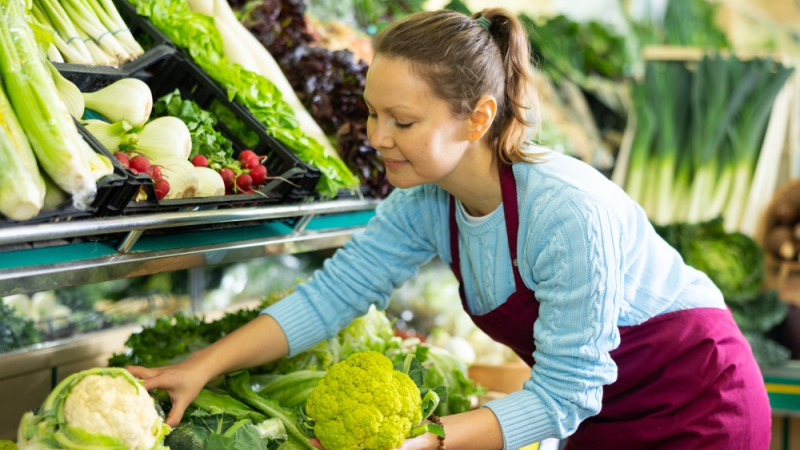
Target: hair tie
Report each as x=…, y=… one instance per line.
x=484, y=22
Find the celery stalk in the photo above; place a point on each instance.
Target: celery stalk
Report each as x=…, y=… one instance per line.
x=22, y=188
x=31, y=89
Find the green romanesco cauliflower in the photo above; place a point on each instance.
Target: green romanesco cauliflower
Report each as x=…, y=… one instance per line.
x=362, y=402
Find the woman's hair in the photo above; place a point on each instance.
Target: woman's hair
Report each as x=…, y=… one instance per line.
x=463, y=58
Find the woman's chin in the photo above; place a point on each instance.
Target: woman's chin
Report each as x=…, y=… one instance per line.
x=401, y=182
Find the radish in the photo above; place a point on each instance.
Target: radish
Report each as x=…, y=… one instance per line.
x=123, y=158
x=258, y=174
x=140, y=164
x=246, y=155
x=250, y=163
x=228, y=177
x=200, y=161
x=155, y=172
x=244, y=183
x=162, y=188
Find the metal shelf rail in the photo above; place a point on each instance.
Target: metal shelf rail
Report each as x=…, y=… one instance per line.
x=264, y=231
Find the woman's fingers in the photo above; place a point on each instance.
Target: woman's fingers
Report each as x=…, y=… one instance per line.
x=176, y=413
x=140, y=372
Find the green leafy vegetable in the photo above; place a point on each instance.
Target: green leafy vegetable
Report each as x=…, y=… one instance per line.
x=203, y=430
x=291, y=390
x=206, y=140
x=197, y=34
x=238, y=383
x=16, y=330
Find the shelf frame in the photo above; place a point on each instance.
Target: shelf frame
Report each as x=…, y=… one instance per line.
x=262, y=231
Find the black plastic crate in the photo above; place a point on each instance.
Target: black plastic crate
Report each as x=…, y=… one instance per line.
x=164, y=71
x=114, y=193
x=146, y=34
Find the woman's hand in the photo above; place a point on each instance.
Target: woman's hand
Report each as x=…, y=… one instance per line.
x=427, y=441
x=257, y=342
x=181, y=382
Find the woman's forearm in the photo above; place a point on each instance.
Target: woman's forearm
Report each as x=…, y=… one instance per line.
x=258, y=342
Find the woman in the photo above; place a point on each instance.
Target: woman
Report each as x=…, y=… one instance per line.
x=629, y=347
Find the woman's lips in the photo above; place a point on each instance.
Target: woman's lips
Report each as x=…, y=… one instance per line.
x=394, y=163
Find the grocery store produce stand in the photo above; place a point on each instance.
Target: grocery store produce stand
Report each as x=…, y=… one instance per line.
x=44, y=256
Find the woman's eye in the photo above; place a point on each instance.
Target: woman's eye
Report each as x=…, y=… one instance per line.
x=404, y=125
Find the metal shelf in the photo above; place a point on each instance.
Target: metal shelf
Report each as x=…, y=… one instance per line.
x=163, y=242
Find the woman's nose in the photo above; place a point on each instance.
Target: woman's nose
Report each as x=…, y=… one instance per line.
x=378, y=136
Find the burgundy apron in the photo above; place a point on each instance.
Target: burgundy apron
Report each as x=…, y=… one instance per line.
x=686, y=379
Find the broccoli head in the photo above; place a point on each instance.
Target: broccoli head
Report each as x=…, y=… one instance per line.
x=362, y=402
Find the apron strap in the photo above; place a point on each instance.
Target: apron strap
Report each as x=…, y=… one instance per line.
x=508, y=188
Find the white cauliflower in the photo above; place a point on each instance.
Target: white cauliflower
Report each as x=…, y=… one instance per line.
x=101, y=408
x=114, y=407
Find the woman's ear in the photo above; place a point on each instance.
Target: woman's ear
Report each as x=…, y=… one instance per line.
x=482, y=117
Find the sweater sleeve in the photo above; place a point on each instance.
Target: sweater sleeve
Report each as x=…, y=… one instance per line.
x=574, y=253
x=363, y=272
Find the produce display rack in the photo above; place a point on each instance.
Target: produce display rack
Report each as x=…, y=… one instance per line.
x=44, y=256
x=130, y=246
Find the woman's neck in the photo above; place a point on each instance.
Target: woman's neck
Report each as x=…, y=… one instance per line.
x=478, y=189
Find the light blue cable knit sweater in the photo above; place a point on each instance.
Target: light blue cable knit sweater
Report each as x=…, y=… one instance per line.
x=585, y=248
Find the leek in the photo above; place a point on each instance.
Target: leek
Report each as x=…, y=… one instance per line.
x=53, y=136
x=716, y=99
x=67, y=52
x=668, y=79
x=643, y=123
x=73, y=48
x=90, y=32
x=708, y=171
x=749, y=134
x=107, y=12
x=83, y=16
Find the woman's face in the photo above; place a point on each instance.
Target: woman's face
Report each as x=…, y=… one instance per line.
x=415, y=132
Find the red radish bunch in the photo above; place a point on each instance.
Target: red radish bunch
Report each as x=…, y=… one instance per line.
x=137, y=164
x=241, y=176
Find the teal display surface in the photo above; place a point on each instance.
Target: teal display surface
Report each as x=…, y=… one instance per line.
x=56, y=254
x=354, y=219
x=153, y=241
x=209, y=237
